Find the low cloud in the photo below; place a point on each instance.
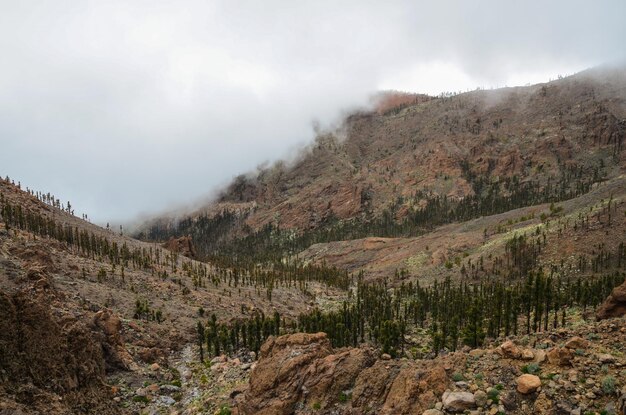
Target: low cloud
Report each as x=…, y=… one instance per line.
x=129, y=107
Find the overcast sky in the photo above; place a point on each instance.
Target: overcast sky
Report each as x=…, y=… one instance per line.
x=128, y=107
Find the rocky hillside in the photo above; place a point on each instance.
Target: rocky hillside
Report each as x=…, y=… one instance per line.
x=401, y=171
x=88, y=316
x=577, y=370
x=434, y=255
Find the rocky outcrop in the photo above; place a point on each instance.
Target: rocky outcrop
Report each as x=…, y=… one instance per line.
x=300, y=371
x=615, y=305
x=108, y=326
x=412, y=391
x=301, y=368
x=49, y=363
x=182, y=245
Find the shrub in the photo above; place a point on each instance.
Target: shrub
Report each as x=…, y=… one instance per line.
x=494, y=395
x=531, y=368
x=457, y=377
x=608, y=385
x=224, y=410
x=142, y=399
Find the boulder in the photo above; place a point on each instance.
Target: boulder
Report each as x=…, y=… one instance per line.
x=577, y=343
x=509, y=350
x=614, y=305
x=560, y=356
x=414, y=390
x=528, y=384
x=458, y=401
x=606, y=358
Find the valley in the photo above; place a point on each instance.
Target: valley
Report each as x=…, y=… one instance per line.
x=461, y=253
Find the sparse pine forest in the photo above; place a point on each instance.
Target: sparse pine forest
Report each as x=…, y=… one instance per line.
x=426, y=211
x=494, y=297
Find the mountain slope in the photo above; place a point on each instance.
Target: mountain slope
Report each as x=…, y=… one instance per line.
x=401, y=172
x=88, y=317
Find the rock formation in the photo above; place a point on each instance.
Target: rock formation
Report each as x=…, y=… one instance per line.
x=615, y=305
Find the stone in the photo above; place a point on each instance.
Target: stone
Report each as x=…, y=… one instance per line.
x=154, y=367
x=165, y=401
x=527, y=354
x=577, y=343
x=385, y=356
x=560, y=356
x=509, y=350
x=606, y=358
x=528, y=383
x=169, y=388
x=432, y=412
x=458, y=401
